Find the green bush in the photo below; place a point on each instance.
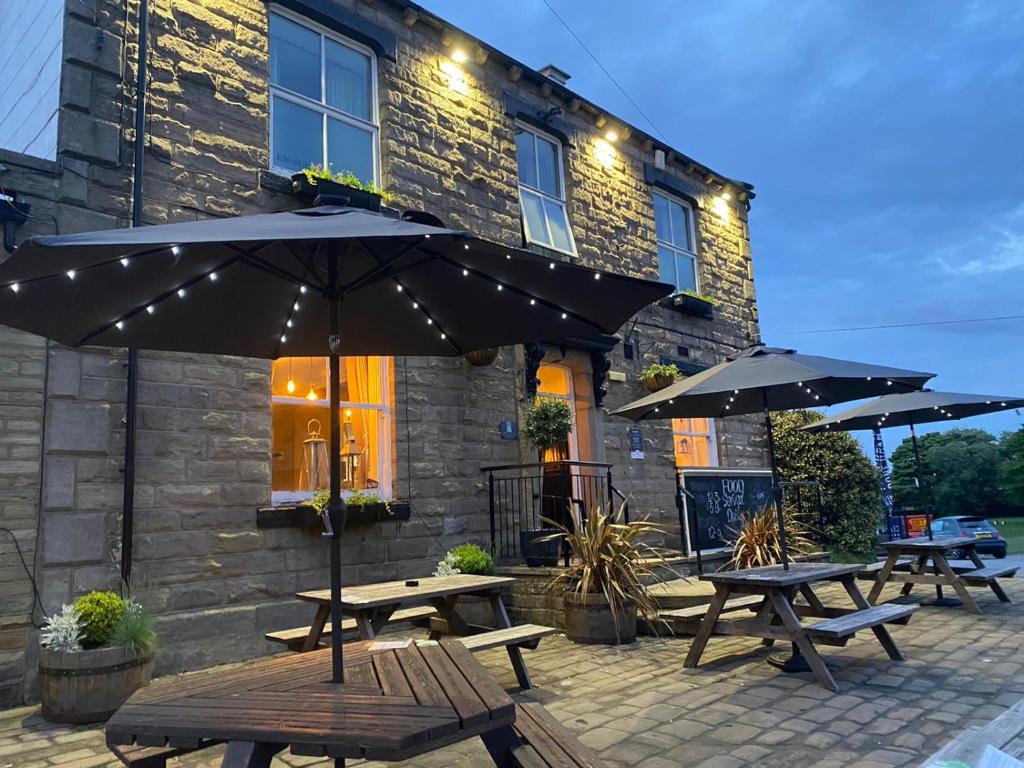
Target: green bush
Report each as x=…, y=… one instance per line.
x=469, y=558
x=100, y=613
x=548, y=422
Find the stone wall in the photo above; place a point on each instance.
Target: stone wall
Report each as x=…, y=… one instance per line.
x=217, y=581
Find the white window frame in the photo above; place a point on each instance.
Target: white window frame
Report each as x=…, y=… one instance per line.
x=710, y=435
x=676, y=250
x=384, y=470
x=322, y=106
x=561, y=201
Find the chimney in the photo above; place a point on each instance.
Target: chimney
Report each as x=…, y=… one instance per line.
x=551, y=72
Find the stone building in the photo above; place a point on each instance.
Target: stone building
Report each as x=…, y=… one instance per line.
x=241, y=94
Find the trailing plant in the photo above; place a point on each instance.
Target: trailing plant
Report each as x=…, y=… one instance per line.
x=658, y=370
x=355, y=499
x=700, y=296
x=757, y=541
x=465, y=558
x=62, y=632
x=548, y=422
x=100, y=612
x=135, y=629
x=315, y=171
x=609, y=558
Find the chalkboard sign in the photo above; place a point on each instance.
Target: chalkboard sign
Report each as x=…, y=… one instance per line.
x=721, y=498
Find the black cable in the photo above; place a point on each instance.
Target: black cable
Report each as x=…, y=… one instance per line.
x=36, y=599
x=901, y=325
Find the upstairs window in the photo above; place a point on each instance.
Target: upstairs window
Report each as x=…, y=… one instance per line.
x=323, y=101
x=542, y=191
x=677, y=253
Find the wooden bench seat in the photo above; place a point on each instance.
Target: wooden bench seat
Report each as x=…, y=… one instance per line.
x=153, y=757
x=697, y=611
x=294, y=638
x=983, y=576
x=547, y=743
x=522, y=636
x=870, y=570
x=845, y=626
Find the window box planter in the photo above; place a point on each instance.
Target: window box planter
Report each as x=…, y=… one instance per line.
x=692, y=305
x=304, y=516
x=357, y=198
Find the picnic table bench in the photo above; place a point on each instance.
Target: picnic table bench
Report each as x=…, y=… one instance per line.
x=922, y=551
x=371, y=607
x=398, y=700
x=777, y=616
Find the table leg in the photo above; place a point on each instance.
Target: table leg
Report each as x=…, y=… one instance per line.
x=515, y=654
x=364, y=623
x=881, y=632
x=707, y=626
x=500, y=744
x=455, y=623
x=998, y=589
x=249, y=754
x=812, y=600
x=766, y=614
x=918, y=567
x=316, y=629
x=974, y=557
x=381, y=616
x=882, y=578
x=799, y=637
x=955, y=582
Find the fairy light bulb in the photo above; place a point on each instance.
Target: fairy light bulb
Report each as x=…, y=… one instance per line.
x=124, y=263
x=15, y=287
x=290, y=386
x=311, y=395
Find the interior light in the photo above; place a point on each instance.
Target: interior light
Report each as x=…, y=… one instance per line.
x=311, y=395
x=290, y=386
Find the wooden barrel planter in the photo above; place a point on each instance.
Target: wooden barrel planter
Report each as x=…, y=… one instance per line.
x=89, y=686
x=589, y=620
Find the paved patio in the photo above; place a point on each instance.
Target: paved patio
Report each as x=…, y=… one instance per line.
x=638, y=706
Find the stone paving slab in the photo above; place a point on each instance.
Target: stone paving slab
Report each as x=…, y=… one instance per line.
x=638, y=707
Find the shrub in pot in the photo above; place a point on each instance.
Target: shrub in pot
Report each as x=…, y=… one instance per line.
x=605, y=584
x=93, y=655
x=548, y=424
x=657, y=376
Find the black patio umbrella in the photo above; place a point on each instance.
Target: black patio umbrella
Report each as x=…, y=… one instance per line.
x=286, y=284
x=914, y=408
x=764, y=379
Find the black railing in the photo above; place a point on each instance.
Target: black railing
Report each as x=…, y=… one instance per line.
x=525, y=497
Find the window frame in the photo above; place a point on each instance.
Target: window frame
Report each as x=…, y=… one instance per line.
x=384, y=427
x=322, y=107
x=562, y=201
x=677, y=250
x=711, y=435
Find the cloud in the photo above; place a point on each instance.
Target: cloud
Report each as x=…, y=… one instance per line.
x=996, y=250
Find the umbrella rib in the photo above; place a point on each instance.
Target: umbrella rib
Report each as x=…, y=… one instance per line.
x=307, y=264
x=88, y=268
x=383, y=270
x=418, y=305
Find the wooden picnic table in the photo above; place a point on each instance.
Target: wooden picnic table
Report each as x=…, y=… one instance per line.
x=371, y=605
x=937, y=551
x=395, y=703
x=778, y=615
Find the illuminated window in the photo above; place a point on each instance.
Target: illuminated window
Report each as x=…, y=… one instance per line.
x=694, y=443
x=542, y=191
x=556, y=382
x=301, y=426
x=677, y=253
x=323, y=100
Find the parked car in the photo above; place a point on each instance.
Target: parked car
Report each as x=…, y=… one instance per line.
x=989, y=540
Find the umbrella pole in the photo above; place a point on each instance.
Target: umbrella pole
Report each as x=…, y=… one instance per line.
x=335, y=518
x=775, y=482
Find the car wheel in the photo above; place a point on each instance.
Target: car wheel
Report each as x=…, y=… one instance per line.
x=1000, y=554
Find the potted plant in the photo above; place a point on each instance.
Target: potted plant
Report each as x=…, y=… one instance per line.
x=315, y=180
x=548, y=424
x=482, y=357
x=606, y=581
x=695, y=304
x=658, y=376
x=757, y=542
x=475, y=560
x=362, y=507
x=93, y=655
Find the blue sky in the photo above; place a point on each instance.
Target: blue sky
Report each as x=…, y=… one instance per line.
x=885, y=140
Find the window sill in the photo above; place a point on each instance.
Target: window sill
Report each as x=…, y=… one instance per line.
x=304, y=516
x=687, y=304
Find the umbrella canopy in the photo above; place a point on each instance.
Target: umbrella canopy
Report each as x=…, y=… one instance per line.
x=770, y=378
x=258, y=286
x=924, y=407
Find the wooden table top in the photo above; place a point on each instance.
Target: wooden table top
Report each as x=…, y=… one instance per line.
x=394, y=704
x=923, y=543
x=392, y=592
x=775, y=575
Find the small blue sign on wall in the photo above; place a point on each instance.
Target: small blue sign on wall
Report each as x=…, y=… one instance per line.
x=636, y=443
x=509, y=430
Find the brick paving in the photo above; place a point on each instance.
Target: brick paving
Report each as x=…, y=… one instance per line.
x=638, y=707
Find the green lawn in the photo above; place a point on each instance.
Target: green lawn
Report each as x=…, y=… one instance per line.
x=1012, y=529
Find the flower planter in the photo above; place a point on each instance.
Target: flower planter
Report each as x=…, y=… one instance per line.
x=540, y=554
x=693, y=305
x=89, y=686
x=482, y=357
x=357, y=198
x=305, y=516
x=658, y=381
x=365, y=514
x=589, y=620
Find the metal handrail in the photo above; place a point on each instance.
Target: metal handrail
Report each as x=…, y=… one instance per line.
x=537, y=464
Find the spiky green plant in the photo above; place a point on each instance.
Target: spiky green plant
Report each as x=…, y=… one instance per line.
x=756, y=542
x=135, y=629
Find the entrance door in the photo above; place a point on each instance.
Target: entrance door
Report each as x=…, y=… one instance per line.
x=556, y=382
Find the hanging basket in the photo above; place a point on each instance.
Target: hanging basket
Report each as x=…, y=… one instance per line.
x=482, y=357
x=658, y=382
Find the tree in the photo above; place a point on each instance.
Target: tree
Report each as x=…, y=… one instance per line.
x=959, y=472
x=850, y=484
x=1011, y=470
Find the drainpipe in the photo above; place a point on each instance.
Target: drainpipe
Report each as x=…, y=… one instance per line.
x=132, y=394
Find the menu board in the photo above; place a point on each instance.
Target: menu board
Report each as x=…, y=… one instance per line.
x=721, y=498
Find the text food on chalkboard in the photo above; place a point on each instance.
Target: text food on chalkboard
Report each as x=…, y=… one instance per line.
x=721, y=499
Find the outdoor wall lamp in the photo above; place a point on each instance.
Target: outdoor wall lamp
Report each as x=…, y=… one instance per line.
x=605, y=154
x=459, y=56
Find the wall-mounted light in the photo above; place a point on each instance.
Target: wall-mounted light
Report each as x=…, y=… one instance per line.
x=604, y=153
x=611, y=136
x=454, y=75
x=720, y=204
x=459, y=56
